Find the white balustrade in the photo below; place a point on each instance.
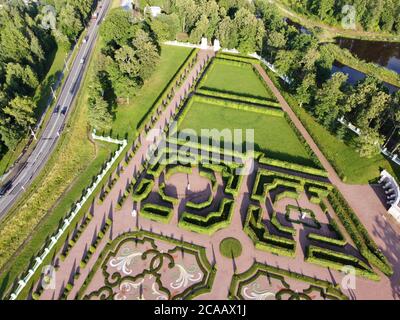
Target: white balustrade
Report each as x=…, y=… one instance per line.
x=53, y=240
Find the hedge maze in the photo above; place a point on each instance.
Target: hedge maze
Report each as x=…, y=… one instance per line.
x=198, y=191
x=293, y=196
x=202, y=216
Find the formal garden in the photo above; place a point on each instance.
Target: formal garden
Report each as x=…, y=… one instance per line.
x=195, y=220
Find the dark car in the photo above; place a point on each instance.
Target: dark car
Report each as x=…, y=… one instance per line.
x=5, y=188
x=64, y=110
x=57, y=109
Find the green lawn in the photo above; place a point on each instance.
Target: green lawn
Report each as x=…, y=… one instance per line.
x=230, y=248
x=128, y=116
x=236, y=79
x=272, y=134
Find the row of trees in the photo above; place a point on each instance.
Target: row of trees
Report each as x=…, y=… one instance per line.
x=367, y=105
x=372, y=15
x=128, y=58
x=26, y=51
x=233, y=22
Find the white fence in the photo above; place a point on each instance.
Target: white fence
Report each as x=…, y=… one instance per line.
x=67, y=221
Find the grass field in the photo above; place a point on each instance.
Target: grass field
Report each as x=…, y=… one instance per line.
x=236, y=79
x=272, y=134
x=128, y=116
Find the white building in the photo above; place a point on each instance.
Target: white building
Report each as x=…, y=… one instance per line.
x=392, y=192
x=153, y=10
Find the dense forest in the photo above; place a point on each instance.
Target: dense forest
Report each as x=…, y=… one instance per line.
x=26, y=52
x=371, y=15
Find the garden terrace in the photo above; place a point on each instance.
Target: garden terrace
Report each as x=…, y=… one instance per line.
x=143, y=265
x=264, y=282
x=225, y=75
x=298, y=207
x=272, y=133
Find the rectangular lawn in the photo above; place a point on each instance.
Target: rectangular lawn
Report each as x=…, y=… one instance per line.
x=129, y=115
x=236, y=79
x=272, y=134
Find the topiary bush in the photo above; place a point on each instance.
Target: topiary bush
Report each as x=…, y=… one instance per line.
x=230, y=247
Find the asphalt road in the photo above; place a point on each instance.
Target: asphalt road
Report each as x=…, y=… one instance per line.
x=55, y=125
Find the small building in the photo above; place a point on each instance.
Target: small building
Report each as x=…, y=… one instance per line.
x=392, y=193
x=153, y=11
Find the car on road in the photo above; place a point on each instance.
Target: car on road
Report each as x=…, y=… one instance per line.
x=64, y=110
x=82, y=61
x=57, y=109
x=5, y=188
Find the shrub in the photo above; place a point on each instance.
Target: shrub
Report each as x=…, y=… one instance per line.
x=338, y=260
x=262, y=239
x=156, y=212
x=284, y=229
x=358, y=233
x=292, y=166
x=230, y=248
x=166, y=197
x=235, y=97
x=143, y=189
x=172, y=169
x=238, y=105
x=210, y=223
x=201, y=205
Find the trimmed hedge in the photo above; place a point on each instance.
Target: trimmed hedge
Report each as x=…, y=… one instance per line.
x=201, y=205
x=239, y=280
x=307, y=147
x=358, y=233
x=208, y=174
x=331, y=241
x=95, y=243
x=156, y=212
x=166, y=197
x=173, y=169
x=268, y=180
x=199, y=288
x=165, y=95
x=76, y=236
x=230, y=247
x=236, y=97
x=237, y=57
x=290, y=207
x=237, y=105
x=143, y=189
x=261, y=237
x=280, y=227
x=338, y=260
x=292, y=166
x=210, y=223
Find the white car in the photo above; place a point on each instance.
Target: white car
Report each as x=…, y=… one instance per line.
x=82, y=61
